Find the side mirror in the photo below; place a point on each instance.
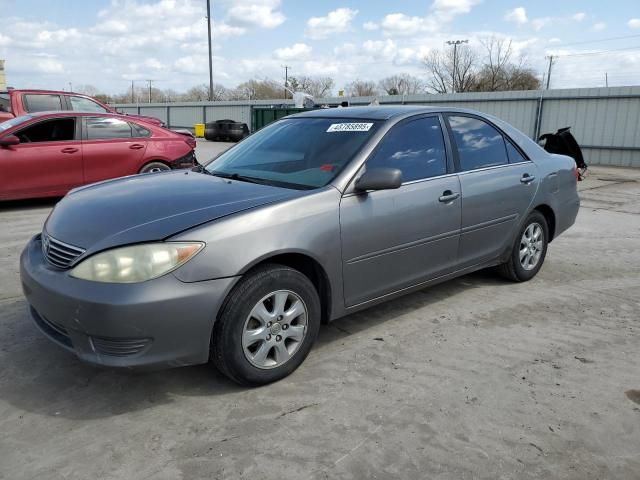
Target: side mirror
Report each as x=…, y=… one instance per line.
x=379, y=179
x=9, y=140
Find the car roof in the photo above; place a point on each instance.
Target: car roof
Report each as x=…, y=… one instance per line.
x=40, y=91
x=380, y=112
x=73, y=113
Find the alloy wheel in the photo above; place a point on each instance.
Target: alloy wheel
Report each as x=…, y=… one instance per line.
x=531, y=246
x=274, y=329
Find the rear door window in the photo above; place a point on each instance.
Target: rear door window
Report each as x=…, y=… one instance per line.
x=99, y=128
x=81, y=104
x=42, y=103
x=57, y=130
x=479, y=144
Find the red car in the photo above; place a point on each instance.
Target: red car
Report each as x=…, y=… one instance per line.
x=15, y=103
x=48, y=154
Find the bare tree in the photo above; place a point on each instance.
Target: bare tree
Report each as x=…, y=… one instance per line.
x=361, y=88
x=198, y=93
x=493, y=75
x=315, y=86
x=257, y=90
x=495, y=71
x=439, y=65
x=220, y=92
x=87, y=90
x=402, y=84
x=522, y=78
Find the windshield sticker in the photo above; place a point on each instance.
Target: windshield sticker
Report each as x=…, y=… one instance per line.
x=349, y=127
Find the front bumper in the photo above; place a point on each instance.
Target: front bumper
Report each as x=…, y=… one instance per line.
x=159, y=323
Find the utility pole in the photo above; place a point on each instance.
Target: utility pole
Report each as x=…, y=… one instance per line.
x=550, y=57
x=606, y=79
x=132, y=91
x=70, y=87
x=210, y=52
x=455, y=44
x=286, y=79
x=150, y=82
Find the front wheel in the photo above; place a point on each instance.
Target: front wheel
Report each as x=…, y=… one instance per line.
x=267, y=326
x=529, y=250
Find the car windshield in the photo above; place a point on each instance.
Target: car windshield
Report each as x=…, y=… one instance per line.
x=302, y=153
x=14, y=121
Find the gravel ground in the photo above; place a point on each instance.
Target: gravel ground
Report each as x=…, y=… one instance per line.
x=477, y=378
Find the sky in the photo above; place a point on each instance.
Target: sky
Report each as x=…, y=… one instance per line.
x=108, y=43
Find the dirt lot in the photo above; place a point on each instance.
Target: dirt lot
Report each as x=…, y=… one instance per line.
x=476, y=378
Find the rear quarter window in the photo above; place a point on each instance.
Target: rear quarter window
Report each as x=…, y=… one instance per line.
x=139, y=130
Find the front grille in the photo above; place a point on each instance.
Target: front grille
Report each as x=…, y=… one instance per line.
x=118, y=347
x=59, y=254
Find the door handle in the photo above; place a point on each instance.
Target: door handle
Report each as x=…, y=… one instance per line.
x=448, y=196
x=527, y=179
x=69, y=150
x=136, y=146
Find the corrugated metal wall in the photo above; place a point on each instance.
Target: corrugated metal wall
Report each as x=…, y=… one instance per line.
x=605, y=121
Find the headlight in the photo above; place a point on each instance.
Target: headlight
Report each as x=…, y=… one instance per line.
x=136, y=263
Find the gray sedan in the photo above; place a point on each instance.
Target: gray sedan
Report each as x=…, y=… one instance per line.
x=314, y=217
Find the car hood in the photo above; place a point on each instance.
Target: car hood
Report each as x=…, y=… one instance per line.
x=151, y=207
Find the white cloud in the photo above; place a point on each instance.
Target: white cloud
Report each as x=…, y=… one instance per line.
x=446, y=10
x=634, y=23
x=398, y=24
x=259, y=13
x=299, y=51
x=336, y=21
x=578, y=17
x=517, y=15
x=598, y=26
x=540, y=23
x=441, y=12
x=370, y=26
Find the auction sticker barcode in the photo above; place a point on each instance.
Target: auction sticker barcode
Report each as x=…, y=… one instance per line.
x=349, y=127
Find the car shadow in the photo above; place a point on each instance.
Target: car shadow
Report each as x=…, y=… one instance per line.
x=42, y=378
x=29, y=204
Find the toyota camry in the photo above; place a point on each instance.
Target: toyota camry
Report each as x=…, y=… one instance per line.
x=314, y=217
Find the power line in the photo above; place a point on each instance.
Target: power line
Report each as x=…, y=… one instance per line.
x=600, y=52
x=610, y=39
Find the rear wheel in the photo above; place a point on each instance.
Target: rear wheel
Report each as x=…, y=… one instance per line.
x=155, y=167
x=529, y=250
x=267, y=326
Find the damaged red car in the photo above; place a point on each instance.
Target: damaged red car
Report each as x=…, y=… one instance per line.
x=48, y=154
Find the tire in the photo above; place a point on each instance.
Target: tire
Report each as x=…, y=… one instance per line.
x=155, y=167
x=249, y=348
x=520, y=271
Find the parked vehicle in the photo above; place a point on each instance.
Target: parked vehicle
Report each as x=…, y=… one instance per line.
x=15, y=103
x=229, y=130
x=48, y=154
x=313, y=217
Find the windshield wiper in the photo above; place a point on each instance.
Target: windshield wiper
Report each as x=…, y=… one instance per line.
x=235, y=176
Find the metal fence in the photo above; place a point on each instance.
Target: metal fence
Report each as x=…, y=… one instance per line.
x=605, y=121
